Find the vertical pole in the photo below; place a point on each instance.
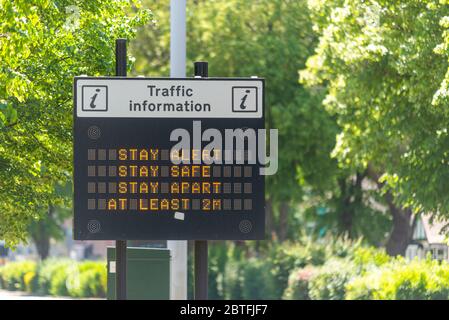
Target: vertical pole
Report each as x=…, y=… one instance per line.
x=120, y=245
x=178, y=38
x=178, y=249
x=201, y=249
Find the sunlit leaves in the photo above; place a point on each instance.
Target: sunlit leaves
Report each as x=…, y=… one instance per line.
x=386, y=64
x=269, y=39
x=43, y=44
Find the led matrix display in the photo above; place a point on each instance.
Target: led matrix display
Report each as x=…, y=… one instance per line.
x=145, y=180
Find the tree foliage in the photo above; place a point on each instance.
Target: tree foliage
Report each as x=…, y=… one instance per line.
x=43, y=44
x=269, y=39
x=385, y=64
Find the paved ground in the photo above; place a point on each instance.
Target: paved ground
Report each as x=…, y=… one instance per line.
x=13, y=295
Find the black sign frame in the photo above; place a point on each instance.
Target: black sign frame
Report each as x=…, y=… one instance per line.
x=114, y=133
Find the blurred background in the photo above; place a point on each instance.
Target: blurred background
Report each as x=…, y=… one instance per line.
x=357, y=89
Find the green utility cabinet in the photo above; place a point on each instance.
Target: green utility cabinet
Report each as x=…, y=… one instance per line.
x=148, y=274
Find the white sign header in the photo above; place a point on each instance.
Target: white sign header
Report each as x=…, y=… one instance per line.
x=120, y=97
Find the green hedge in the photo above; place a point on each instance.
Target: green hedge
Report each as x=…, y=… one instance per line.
x=241, y=272
x=13, y=275
x=88, y=279
x=52, y=276
x=369, y=274
x=401, y=280
x=343, y=270
x=298, y=284
x=331, y=269
x=329, y=281
x=56, y=277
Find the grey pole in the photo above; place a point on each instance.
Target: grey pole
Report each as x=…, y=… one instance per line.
x=178, y=249
x=178, y=38
x=120, y=245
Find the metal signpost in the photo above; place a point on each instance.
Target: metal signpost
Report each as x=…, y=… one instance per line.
x=129, y=182
x=120, y=245
x=201, y=250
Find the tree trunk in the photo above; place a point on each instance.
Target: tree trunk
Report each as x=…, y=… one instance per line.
x=402, y=230
x=351, y=198
x=283, y=221
x=41, y=236
x=269, y=218
x=345, y=214
x=403, y=221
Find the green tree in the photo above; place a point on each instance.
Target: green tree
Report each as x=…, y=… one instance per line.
x=385, y=65
x=50, y=226
x=270, y=39
x=43, y=45
x=353, y=208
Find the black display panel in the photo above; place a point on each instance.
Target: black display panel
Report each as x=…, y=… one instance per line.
x=126, y=187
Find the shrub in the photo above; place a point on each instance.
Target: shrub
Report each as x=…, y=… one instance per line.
x=362, y=288
x=58, y=282
x=56, y=277
x=52, y=276
x=13, y=274
x=232, y=281
x=30, y=281
x=218, y=258
x=258, y=282
x=370, y=257
x=231, y=266
x=298, y=284
x=329, y=283
x=402, y=280
x=341, y=247
x=288, y=257
x=88, y=279
x=231, y=278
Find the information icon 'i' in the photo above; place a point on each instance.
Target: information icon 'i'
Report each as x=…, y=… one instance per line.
x=244, y=99
x=95, y=98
